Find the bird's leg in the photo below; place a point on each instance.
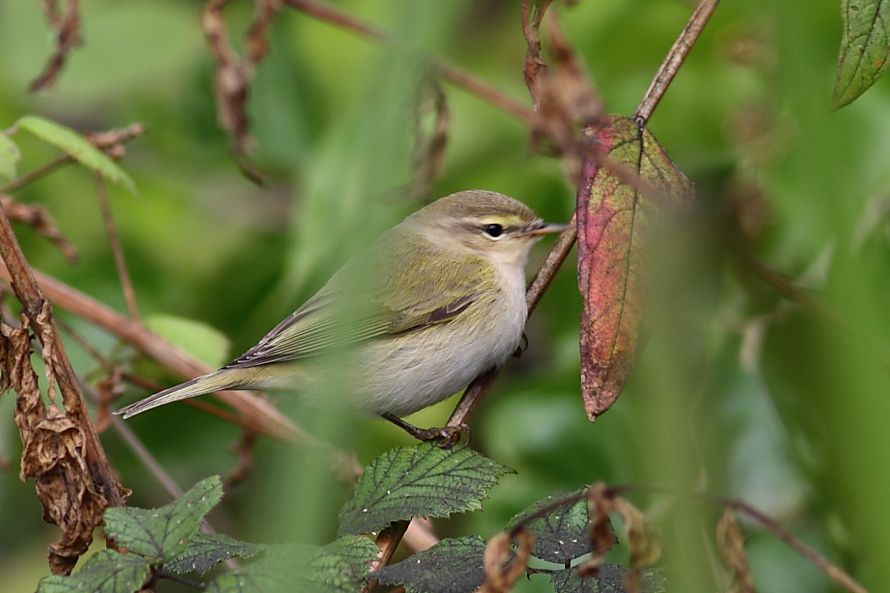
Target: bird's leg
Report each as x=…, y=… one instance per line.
x=450, y=433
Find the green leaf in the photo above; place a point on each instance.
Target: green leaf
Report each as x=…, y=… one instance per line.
x=451, y=566
x=75, y=145
x=562, y=534
x=609, y=579
x=420, y=481
x=202, y=341
x=162, y=534
x=206, y=550
x=9, y=156
x=339, y=567
x=865, y=48
x=104, y=572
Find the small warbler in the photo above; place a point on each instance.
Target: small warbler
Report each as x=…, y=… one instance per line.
x=432, y=303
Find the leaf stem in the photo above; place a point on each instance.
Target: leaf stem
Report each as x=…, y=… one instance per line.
x=120, y=262
x=674, y=59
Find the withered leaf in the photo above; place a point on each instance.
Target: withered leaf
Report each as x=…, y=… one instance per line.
x=731, y=544
x=503, y=562
x=627, y=181
x=53, y=453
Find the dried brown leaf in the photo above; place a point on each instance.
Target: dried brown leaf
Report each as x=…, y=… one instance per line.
x=600, y=503
x=41, y=221
x=53, y=453
x=255, y=40
x=67, y=28
x=615, y=217
x=731, y=544
x=645, y=547
x=504, y=564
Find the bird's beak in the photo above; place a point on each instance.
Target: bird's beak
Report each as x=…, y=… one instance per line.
x=544, y=228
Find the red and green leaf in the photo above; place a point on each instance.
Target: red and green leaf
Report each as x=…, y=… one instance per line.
x=627, y=181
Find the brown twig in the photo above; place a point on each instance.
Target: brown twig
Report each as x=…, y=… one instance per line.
x=120, y=262
x=456, y=76
x=263, y=415
x=39, y=218
x=674, y=59
x=67, y=29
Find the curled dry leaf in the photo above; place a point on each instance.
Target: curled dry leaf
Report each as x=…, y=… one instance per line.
x=564, y=98
x=41, y=221
x=233, y=73
x=599, y=504
x=53, y=454
x=67, y=29
x=504, y=564
x=615, y=214
x=731, y=543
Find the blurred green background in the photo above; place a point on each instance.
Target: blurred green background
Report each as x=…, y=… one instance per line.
x=738, y=392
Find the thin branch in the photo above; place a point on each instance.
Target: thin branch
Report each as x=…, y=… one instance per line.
x=120, y=261
x=453, y=74
x=674, y=59
x=263, y=415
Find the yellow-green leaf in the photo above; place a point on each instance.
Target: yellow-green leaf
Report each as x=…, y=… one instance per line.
x=865, y=48
x=78, y=147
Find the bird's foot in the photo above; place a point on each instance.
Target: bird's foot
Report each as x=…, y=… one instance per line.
x=449, y=435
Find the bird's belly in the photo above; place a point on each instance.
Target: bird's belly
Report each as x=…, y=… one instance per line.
x=407, y=373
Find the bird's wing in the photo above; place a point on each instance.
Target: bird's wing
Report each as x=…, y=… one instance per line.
x=392, y=292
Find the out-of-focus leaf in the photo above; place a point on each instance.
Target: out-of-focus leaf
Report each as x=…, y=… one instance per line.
x=865, y=48
x=78, y=147
x=339, y=567
x=451, y=566
x=618, y=202
x=206, y=550
x=9, y=156
x=560, y=535
x=419, y=481
x=609, y=579
x=202, y=341
x=162, y=534
x=105, y=572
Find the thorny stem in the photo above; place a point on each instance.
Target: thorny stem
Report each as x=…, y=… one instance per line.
x=456, y=76
x=120, y=261
x=674, y=59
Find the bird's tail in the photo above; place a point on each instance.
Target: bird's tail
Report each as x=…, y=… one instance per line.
x=220, y=380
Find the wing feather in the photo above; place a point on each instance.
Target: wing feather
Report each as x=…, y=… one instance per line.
x=369, y=298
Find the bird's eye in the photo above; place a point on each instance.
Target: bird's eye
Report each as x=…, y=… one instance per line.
x=493, y=230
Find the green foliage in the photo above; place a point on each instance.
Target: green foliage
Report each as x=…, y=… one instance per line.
x=105, y=572
x=206, y=550
x=865, y=48
x=76, y=146
x=453, y=565
x=563, y=533
x=163, y=534
x=609, y=579
x=339, y=567
x=202, y=341
x=9, y=156
x=419, y=481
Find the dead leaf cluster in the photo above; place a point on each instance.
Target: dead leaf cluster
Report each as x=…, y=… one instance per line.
x=503, y=562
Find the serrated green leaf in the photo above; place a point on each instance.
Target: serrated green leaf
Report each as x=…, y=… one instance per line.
x=77, y=146
x=202, y=341
x=206, y=550
x=9, y=156
x=339, y=567
x=451, y=566
x=105, y=572
x=865, y=48
x=162, y=534
x=609, y=579
x=419, y=481
x=562, y=534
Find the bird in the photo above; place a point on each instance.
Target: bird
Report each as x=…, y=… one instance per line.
x=428, y=306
